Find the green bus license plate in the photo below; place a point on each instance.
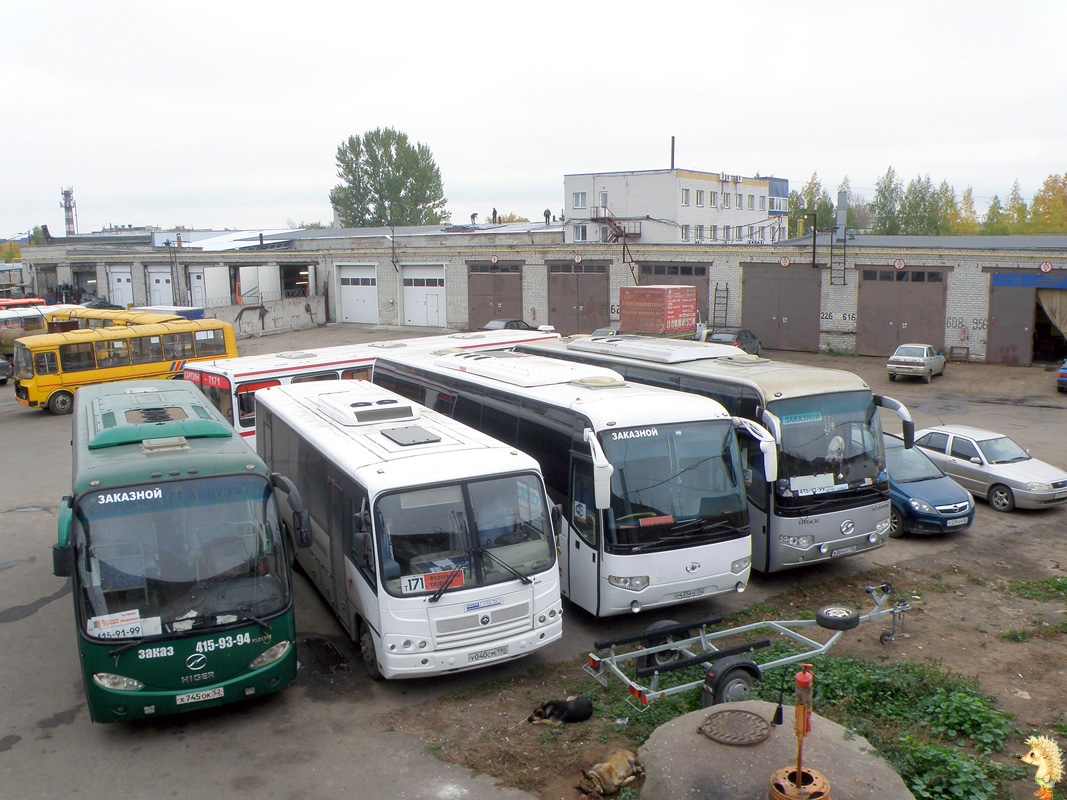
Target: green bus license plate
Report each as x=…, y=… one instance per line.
x=196, y=697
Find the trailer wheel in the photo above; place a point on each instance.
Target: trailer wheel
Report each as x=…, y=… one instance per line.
x=663, y=657
x=837, y=618
x=367, y=652
x=885, y=638
x=734, y=686
x=729, y=680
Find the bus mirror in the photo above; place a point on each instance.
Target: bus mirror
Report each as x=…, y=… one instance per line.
x=767, y=444
x=907, y=425
x=557, y=518
x=62, y=561
x=303, y=530
x=602, y=471
x=770, y=461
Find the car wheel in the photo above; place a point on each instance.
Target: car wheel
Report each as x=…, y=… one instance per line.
x=1001, y=498
x=837, y=618
x=892, y=376
x=928, y=376
x=61, y=403
x=757, y=351
x=896, y=524
x=941, y=374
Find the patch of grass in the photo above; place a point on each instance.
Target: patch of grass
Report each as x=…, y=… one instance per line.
x=434, y=749
x=1046, y=590
x=1019, y=635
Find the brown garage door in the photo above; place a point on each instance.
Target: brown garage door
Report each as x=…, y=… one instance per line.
x=781, y=305
x=1010, y=338
x=680, y=275
x=494, y=291
x=578, y=297
x=899, y=306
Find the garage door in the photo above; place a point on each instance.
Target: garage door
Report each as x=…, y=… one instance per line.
x=424, y=296
x=120, y=285
x=578, y=297
x=781, y=305
x=494, y=291
x=160, y=292
x=357, y=294
x=899, y=306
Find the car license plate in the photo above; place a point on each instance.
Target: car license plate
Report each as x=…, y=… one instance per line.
x=1061, y=495
x=484, y=655
x=196, y=697
x=952, y=523
x=688, y=593
x=844, y=551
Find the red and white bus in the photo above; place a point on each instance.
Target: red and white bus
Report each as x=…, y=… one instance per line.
x=230, y=384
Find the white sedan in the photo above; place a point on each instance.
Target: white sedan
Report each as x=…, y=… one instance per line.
x=918, y=360
x=994, y=467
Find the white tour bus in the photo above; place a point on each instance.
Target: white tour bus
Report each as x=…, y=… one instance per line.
x=431, y=541
x=831, y=498
x=231, y=383
x=650, y=482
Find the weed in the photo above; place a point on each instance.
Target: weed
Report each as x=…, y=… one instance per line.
x=1020, y=635
x=1046, y=590
x=434, y=749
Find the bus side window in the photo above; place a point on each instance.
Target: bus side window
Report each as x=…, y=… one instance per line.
x=112, y=353
x=755, y=480
x=45, y=363
x=77, y=357
x=357, y=374
x=177, y=346
x=146, y=349
x=210, y=343
x=583, y=511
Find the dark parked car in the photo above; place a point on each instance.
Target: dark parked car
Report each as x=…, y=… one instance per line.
x=513, y=325
x=924, y=499
x=1061, y=378
x=738, y=337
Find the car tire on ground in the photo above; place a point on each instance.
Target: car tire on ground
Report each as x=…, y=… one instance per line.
x=1001, y=498
x=941, y=374
x=837, y=618
x=896, y=524
x=61, y=402
x=928, y=376
x=892, y=376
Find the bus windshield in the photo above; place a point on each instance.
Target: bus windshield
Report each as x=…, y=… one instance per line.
x=179, y=556
x=830, y=444
x=462, y=535
x=674, y=485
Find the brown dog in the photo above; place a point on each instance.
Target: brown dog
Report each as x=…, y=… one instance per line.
x=619, y=769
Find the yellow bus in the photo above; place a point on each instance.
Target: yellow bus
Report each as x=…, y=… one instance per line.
x=106, y=317
x=49, y=368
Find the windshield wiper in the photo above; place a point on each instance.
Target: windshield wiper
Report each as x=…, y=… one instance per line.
x=246, y=614
x=448, y=582
x=685, y=531
x=486, y=552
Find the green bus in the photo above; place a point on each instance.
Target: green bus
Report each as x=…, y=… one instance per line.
x=179, y=559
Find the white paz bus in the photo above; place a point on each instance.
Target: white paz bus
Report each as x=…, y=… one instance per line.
x=432, y=542
x=651, y=483
x=230, y=384
x=831, y=498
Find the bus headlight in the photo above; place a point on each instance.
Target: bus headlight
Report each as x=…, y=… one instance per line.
x=882, y=526
x=633, y=583
x=270, y=655
x=117, y=683
x=740, y=565
x=799, y=542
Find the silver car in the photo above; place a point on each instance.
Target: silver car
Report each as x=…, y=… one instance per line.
x=994, y=467
x=918, y=360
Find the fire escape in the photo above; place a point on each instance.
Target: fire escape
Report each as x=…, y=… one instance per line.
x=619, y=230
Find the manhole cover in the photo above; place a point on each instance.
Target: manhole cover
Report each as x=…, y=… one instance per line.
x=733, y=726
x=324, y=657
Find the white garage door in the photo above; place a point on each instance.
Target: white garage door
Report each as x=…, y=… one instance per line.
x=424, y=296
x=159, y=289
x=358, y=293
x=120, y=285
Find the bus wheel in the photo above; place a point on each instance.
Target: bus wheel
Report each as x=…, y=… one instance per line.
x=61, y=403
x=367, y=653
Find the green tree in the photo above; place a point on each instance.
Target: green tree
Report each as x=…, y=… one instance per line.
x=888, y=195
x=1016, y=212
x=39, y=235
x=919, y=210
x=387, y=181
x=293, y=225
x=509, y=217
x=969, y=224
x=995, y=222
x=1048, y=209
x=948, y=222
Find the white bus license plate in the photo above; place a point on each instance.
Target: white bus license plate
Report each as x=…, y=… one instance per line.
x=196, y=697
x=485, y=655
x=688, y=594
x=844, y=551
x=953, y=522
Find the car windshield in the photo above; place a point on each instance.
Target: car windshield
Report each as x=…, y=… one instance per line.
x=1002, y=451
x=674, y=485
x=729, y=338
x=829, y=444
x=910, y=465
x=461, y=535
x=910, y=352
x=176, y=556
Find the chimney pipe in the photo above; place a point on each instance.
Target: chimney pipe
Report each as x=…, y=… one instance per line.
x=672, y=153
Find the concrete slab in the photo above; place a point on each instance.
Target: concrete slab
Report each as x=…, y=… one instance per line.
x=681, y=763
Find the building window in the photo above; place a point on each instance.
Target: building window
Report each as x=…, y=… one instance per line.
x=604, y=199
x=725, y=199
x=752, y=202
x=713, y=199
x=685, y=233
x=578, y=200
x=699, y=232
x=605, y=233
x=726, y=233
x=700, y=198
x=751, y=231
x=580, y=230
x=685, y=197
x=762, y=203
x=778, y=204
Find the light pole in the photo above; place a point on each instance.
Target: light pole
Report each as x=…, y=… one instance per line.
x=814, y=230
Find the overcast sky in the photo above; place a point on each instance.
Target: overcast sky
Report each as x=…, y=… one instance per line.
x=229, y=114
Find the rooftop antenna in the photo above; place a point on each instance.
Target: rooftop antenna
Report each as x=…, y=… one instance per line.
x=70, y=210
x=672, y=154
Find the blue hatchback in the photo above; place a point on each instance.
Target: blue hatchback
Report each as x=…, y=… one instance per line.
x=924, y=499
x=1061, y=377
